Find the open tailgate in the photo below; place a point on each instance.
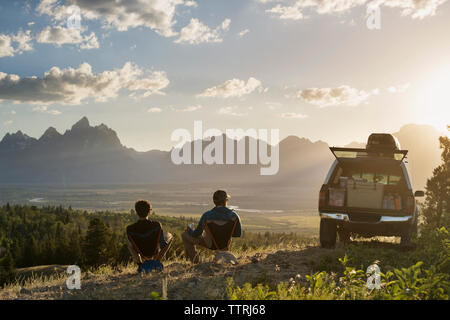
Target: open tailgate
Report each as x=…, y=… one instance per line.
x=356, y=153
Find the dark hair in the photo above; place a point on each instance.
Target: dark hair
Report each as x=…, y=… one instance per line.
x=220, y=197
x=143, y=208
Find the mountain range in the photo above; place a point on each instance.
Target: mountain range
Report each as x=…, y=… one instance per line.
x=88, y=154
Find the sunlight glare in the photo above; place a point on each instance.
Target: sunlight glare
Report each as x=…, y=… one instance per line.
x=435, y=106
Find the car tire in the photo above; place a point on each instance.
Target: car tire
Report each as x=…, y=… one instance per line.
x=344, y=235
x=410, y=233
x=328, y=233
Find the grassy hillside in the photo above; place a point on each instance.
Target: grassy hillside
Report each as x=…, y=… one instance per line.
x=271, y=266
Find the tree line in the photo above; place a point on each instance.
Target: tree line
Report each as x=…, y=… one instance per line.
x=32, y=236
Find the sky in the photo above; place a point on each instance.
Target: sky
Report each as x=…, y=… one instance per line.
x=324, y=70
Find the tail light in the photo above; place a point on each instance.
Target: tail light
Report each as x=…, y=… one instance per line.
x=322, y=198
x=410, y=205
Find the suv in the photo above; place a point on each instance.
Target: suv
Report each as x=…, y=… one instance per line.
x=368, y=192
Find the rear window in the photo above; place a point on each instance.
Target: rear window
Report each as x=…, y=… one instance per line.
x=384, y=178
x=390, y=175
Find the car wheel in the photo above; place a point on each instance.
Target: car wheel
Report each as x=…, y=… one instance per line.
x=328, y=233
x=406, y=238
x=344, y=235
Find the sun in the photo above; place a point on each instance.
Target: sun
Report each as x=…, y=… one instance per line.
x=435, y=102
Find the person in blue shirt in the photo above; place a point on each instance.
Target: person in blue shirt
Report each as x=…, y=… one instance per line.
x=199, y=236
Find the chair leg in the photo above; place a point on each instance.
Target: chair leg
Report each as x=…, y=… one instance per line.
x=162, y=254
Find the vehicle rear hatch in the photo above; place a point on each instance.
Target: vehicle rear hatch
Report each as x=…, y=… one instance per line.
x=367, y=184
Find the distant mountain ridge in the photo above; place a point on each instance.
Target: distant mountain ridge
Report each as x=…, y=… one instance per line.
x=95, y=155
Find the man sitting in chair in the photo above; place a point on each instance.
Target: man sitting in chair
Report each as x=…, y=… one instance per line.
x=215, y=228
x=146, y=239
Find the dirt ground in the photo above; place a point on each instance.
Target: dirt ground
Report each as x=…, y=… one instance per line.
x=206, y=280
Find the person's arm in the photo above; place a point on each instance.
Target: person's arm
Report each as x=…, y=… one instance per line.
x=162, y=239
x=238, y=230
x=136, y=256
x=199, y=230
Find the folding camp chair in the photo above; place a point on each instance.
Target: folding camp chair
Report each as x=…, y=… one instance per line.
x=220, y=232
x=147, y=245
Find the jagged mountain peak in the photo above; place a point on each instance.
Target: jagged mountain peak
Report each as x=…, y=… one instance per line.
x=295, y=139
x=83, y=123
x=297, y=142
x=16, y=141
x=50, y=133
x=18, y=136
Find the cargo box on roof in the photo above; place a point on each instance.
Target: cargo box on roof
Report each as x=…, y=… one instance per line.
x=386, y=141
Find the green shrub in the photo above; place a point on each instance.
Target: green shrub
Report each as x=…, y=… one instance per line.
x=413, y=283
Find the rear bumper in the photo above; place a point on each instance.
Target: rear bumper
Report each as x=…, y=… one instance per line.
x=384, y=226
x=345, y=218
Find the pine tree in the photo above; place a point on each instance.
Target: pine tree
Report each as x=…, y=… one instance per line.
x=7, y=270
x=48, y=250
x=75, y=253
x=31, y=252
x=437, y=203
x=96, y=243
x=62, y=245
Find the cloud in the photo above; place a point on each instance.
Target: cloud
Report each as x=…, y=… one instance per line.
x=226, y=24
x=325, y=97
x=232, y=88
x=295, y=10
x=154, y=110
x=157, y=15
x=73, y=86
x=22, y=39
x=399, y=89
x=196, y=32
x=6, y=48
x=230, y=111
x=293, y=115
x=59, y=35
x=417, y=9
x=287, y=12
x=243, y=33
x=8, y=122
x=45, y=109
x=190, y=108
x=190, y=4
x=273, y=105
